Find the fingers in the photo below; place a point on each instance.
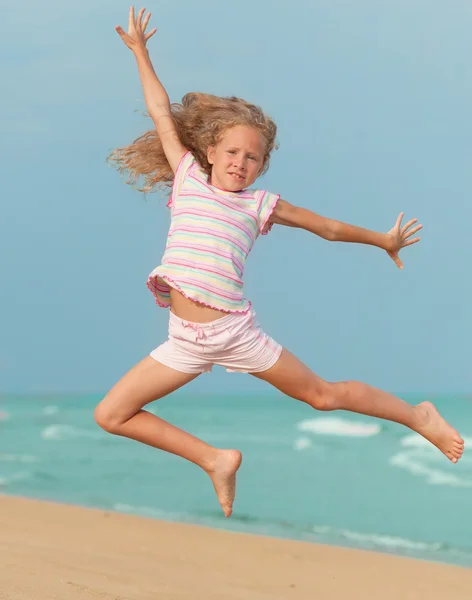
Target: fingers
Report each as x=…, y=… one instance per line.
x=410, y=242
x=409, y=224
x=150, y=34
x=139, y=20
x=136, y=28
x=145, y=22
x=397, y=261
x=131, y=19
x=120, y=31
x=408, y=234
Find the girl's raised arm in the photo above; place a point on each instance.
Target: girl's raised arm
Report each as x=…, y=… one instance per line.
x=155, y=95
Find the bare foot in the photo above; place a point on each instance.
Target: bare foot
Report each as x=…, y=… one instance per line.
x=437, y=431
x=223, y=476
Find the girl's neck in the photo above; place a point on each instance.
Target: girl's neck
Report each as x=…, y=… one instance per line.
x=214, y=185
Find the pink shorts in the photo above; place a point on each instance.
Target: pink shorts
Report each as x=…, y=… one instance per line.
x=236, y=342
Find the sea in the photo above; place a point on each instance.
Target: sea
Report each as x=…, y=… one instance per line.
x=331, y=478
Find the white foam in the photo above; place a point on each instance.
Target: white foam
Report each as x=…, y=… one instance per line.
x=339, y=427
x=414, y=441
x=381, y=541
x=302, y=443
x=146, y=511
x=50, y=410
x=6, y=481
x=66, y=432
x=416, y=463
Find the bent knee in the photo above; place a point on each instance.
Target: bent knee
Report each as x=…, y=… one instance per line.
x=107, y=418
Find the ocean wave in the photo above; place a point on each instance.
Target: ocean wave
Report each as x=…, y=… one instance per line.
x=339, y=427
x=416, y=463
x=4, y=416
x=380, y=541
x=421, y=459
x=50, y=410
x=22, y=458
x=6, y=481
x=154, y=513
x=59, y=433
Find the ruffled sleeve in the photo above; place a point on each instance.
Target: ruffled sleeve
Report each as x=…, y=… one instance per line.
x=185, y=164
x=266, y=203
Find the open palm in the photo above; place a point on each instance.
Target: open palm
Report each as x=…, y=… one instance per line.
x=136, y=38
x=400, y=237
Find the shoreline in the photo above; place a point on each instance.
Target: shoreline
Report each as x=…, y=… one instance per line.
x=383, y=544
x=54, y=550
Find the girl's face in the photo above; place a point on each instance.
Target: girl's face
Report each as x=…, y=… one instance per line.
x=237, y=159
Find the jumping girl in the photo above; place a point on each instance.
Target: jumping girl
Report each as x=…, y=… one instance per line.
x=211, y=150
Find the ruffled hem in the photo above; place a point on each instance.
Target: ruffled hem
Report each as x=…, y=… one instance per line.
x=263, y=229
x=172, y=283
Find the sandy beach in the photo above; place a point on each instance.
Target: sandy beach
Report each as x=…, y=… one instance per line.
x=52, y=551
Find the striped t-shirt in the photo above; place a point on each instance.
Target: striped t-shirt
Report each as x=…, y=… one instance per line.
x=211, y=233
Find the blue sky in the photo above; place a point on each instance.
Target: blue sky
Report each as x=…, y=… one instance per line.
x=373, y=103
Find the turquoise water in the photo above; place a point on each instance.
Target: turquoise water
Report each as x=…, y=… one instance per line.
x=332, y=478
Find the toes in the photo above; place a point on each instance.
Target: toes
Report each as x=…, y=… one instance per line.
x=458, y=448
x=454, y=454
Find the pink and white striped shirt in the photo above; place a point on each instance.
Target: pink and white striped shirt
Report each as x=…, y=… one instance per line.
x=211, y=234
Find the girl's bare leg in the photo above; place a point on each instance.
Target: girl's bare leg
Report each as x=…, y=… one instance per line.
x=292, y=377
x=121, y=412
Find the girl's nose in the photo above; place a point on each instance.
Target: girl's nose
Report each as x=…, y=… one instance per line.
x=239, y=163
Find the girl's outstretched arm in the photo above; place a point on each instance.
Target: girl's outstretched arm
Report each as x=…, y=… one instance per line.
x=155, y=95
x=336, y=231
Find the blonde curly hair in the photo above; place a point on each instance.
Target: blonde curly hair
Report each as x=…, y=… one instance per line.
x=201, y=120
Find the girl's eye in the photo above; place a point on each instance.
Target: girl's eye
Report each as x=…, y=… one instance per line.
x=252, y=157
x=232, y=151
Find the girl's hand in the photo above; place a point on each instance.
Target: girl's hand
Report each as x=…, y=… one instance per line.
x=398, y=238
x=136, y=38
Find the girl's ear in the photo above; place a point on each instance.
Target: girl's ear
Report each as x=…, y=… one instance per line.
x=211, y=154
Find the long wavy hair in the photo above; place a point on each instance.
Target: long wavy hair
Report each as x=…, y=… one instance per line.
x=201, y=120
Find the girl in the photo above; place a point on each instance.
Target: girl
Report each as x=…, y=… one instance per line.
x=212, y=150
